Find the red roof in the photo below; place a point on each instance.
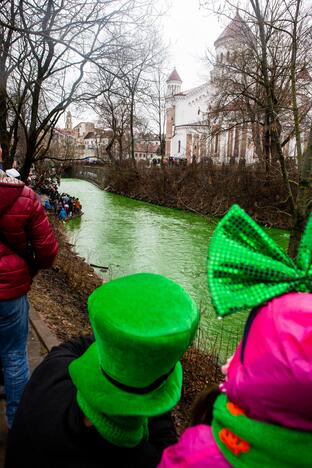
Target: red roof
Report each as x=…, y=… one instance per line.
x=174, y=76
x=236, y=28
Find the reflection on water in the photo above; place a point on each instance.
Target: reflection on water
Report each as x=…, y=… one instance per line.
x=129, y=236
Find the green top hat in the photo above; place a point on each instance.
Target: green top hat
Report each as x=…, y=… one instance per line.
x=142, y=323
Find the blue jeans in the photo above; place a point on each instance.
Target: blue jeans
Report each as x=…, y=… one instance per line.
x=13, y=351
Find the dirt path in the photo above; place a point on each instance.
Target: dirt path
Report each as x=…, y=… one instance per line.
x=59, y=305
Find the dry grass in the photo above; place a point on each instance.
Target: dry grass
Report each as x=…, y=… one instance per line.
x=59, y=294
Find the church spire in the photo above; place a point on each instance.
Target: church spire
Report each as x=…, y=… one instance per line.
x=69, y=122
x=174, y=83
x=174, y=76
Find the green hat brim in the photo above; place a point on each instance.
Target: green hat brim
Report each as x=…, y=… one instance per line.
x=101, y=394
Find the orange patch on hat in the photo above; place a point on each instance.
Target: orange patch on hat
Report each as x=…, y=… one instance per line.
x=235, y=410
x=234, y=443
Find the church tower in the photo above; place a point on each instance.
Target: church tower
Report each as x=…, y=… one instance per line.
x=228, y=44
x=174, y=83
x=69, y=122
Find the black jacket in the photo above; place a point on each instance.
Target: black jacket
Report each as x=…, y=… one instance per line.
x=48, y=430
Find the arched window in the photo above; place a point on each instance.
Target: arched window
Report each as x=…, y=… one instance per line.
x=221, y=57
x=228, y=56
x=179, y=146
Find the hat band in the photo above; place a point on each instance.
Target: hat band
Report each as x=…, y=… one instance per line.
x=138, y=390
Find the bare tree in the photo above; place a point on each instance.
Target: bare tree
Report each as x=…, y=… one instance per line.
x=129, y=100
x=11, y=55
x=265, y=82
x=138, y=66
x=64, y=42
x=112, y=109
x=156, y=105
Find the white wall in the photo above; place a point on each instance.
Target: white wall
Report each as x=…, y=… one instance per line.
x=180, y=135
x=187, y=107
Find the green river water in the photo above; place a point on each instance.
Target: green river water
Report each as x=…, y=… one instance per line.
x=129, y=236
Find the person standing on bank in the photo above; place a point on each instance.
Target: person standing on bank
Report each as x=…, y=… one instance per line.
x=106, y=403
x=27, y=243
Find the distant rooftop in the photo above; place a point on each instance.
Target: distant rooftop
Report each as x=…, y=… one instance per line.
x=89, y=135
x=99, y=133
x=236, y=28
x=174, y=76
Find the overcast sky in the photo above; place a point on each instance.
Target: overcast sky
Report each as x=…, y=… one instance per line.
x=189, y=31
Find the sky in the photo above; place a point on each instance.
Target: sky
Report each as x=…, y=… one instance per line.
x=189, y=31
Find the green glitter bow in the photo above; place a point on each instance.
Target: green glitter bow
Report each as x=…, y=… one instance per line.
x=247, y=268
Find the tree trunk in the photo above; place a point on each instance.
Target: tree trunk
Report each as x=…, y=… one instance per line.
x=271, y=107
x=255, y=130
x=303, y=199
x=109, y=149
x=4, y=134
x=131, y=128
x=120, y=148
x=29, y=158
x=293, y=78
x=266, y=142
x=32, y=135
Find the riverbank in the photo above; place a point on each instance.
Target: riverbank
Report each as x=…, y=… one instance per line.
x=204, y=189
x=59, y=296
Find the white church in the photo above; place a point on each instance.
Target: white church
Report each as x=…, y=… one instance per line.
x=187, y=113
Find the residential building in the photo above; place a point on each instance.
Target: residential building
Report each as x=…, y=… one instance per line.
x=95, y=144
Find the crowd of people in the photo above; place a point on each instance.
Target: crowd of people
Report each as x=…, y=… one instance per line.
x=106, y=399
x=63, y=205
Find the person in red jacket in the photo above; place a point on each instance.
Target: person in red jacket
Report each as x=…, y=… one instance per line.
x=1, y=162
x=27, y=244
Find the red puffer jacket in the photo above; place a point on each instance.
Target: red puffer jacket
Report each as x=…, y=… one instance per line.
x=22, y=221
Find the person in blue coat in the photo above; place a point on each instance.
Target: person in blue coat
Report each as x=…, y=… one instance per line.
x=47, y=204
x=62, y=214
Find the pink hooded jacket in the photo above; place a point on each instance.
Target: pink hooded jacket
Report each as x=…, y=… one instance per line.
x=196, y=449
x=269, y=377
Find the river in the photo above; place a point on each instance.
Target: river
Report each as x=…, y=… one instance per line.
x=129, y=236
